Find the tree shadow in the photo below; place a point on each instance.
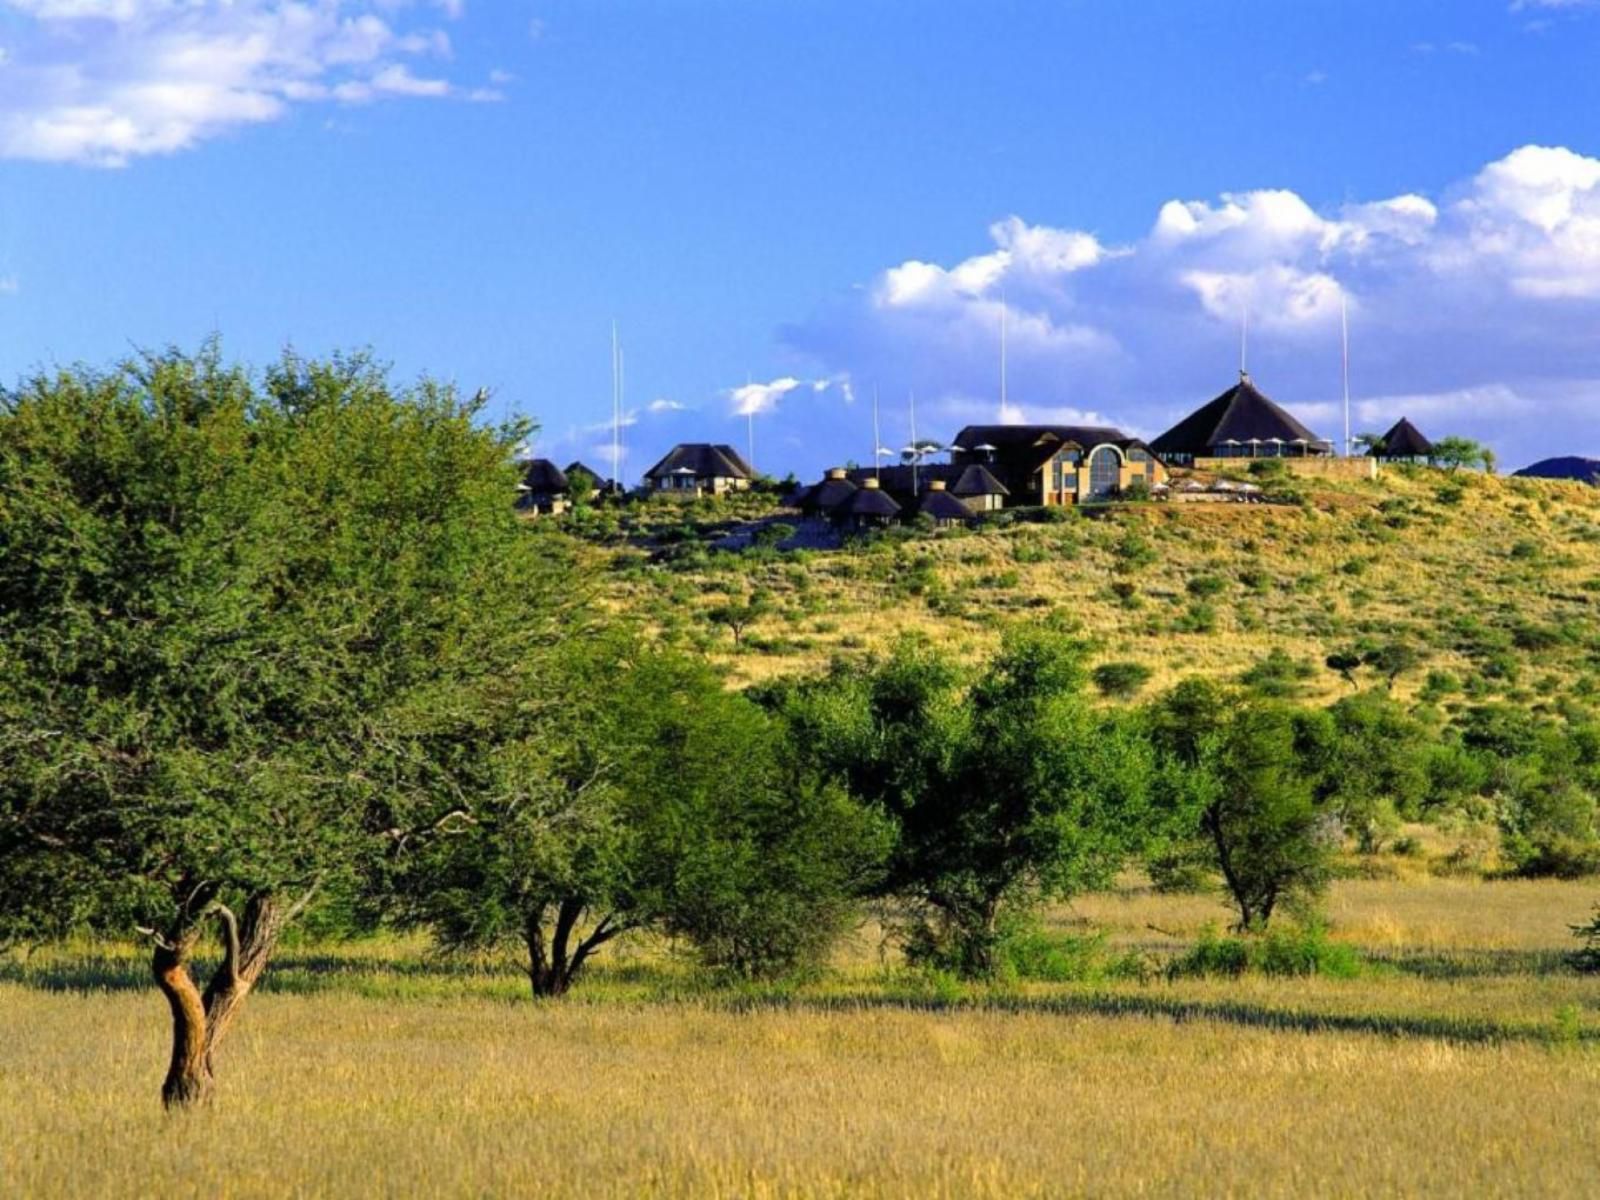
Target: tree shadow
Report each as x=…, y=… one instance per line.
x=290, y=971
x=1474, y=964
x=1435, y=1027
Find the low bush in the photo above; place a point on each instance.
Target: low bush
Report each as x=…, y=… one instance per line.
x=1285, y=952
x=1065, y=958
x=1121, y=680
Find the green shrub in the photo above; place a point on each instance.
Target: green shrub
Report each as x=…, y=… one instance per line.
x=1277, y=675
x=1121, y=680
x=1299, y=951
x=771, y=535
x=1269, y=470
x=1587, y=959
x=1199, y=617
x=1063, y=958
x=1133, y=553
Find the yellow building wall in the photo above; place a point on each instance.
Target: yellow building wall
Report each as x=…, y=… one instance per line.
x=1310, y=467
x=1154, y=471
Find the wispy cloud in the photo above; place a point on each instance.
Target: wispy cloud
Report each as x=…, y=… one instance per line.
x=753, y=399
x=103, y=82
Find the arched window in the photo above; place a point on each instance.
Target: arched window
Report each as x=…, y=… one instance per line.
x=1105, y=467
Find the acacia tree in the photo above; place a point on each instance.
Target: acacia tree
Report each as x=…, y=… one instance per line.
x=1237, y=768
x=1003, y=790
x=236, y=619
x=1455, y=452
x=537, y=856
x=646, y=796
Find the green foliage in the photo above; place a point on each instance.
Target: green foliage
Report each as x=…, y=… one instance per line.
x=1299, y=951
x=1587, y=958
x=1133, y=553
x=241, y=621
x=1368, y=760
x=1003, y=788
x=737, y=616
x=1269, y=470
x=1121, y=680
x=1277, y=675
x=633, y=791
x=1235, y=771
x=1393, y=659
x=1455, y=452
x=1199, y=617
x=1033, y=954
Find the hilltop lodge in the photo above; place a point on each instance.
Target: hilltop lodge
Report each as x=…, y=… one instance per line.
x=992, y=467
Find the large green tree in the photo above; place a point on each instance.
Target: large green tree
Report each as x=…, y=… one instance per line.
x=1003, y=787
x=243, y=623
x=628, y=788
x=1241, y=769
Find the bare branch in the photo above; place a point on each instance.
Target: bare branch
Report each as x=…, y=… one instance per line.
x=299, y=906
x=155, y=936
x=229, y=970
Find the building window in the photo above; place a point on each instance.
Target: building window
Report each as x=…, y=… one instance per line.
x=1105, y=469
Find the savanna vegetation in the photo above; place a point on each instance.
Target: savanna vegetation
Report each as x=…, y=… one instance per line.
x=635, y=850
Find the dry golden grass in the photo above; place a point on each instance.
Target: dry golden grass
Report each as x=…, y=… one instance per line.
x=340, y=1096
x=1461, y=1062
x=1340, y=568
x=1473, y=1075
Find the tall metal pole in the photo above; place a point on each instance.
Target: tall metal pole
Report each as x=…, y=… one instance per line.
x=1244, y=340
x=877, y=442
x=616, y=408
x=1344, y=356
x=1002, y=356
x=913, y=398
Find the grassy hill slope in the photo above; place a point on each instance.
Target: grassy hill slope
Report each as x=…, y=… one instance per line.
x=1492, y=581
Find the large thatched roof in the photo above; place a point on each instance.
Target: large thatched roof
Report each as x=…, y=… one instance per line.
x=1240, y=416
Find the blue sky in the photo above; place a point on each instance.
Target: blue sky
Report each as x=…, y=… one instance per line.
x=825, y=198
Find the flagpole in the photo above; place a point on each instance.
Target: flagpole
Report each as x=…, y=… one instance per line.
x=877, y=442
x=1244, y=340
x=913, y=399
x=1344, y=358
x=1002, y=356
x=616, y=408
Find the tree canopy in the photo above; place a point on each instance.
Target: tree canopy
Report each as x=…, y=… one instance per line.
x=239, y=618
x=1002, y=788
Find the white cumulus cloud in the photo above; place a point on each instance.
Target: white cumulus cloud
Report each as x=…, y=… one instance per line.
x=103, y=82
x=1477, y=307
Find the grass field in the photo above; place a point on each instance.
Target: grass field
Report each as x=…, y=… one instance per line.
x=1462, y=1060
x=1492, y=579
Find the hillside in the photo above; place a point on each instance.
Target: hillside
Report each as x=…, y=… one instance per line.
x=1492, y=581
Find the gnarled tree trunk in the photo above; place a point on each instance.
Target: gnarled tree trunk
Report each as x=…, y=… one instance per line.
x=200, y=1021
x=553, y=967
